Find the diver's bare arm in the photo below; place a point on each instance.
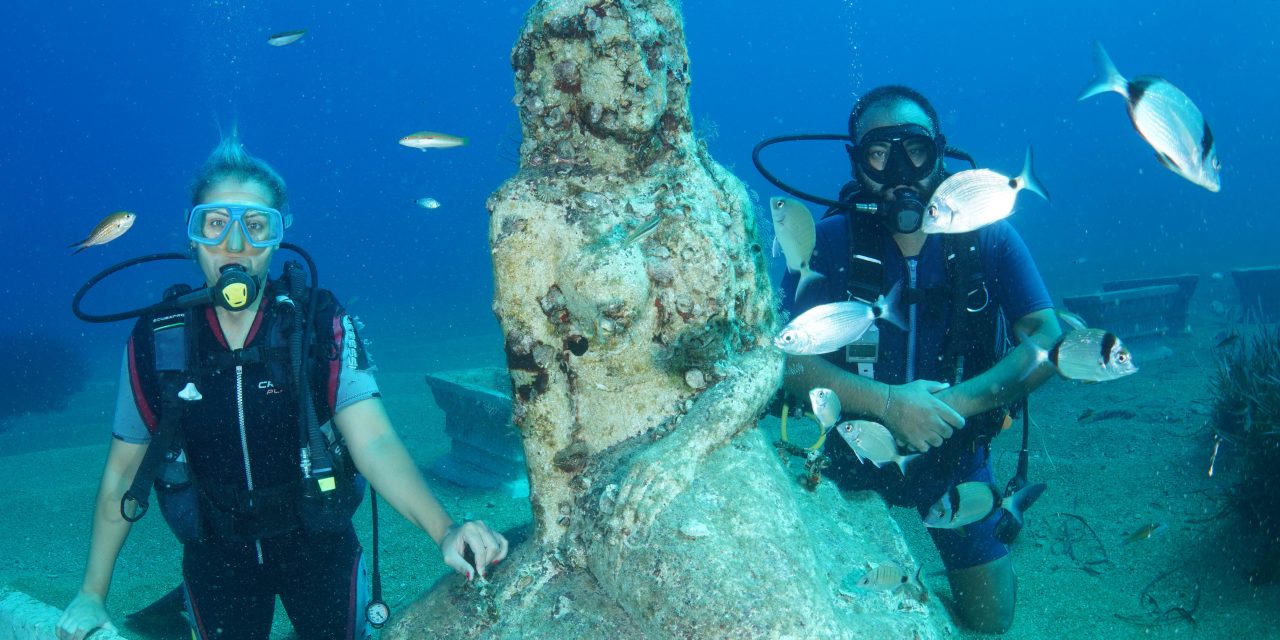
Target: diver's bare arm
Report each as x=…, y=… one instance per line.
x=109, y=528
x=858, y=395
x=386, y=464
x=1014, y=376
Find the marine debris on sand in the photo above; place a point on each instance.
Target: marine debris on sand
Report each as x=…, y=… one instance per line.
x=639, y=371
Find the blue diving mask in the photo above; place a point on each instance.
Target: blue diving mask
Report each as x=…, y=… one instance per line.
x=258, y=225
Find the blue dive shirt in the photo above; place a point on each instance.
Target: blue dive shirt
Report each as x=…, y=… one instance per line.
x=1012, y=280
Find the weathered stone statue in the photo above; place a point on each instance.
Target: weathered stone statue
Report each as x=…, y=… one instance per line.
x=632, y=291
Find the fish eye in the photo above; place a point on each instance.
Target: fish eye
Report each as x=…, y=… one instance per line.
x=933, y=211
x=1122, y=358
x=1217, y=164
x=778, y=204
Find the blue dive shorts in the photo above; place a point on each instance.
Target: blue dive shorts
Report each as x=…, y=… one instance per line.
x=974, y=544
x=931, y=476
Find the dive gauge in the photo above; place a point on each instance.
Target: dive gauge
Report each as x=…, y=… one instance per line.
x=377, y=613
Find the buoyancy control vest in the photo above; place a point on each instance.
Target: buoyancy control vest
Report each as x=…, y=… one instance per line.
x=230, y=443
x=975, y=337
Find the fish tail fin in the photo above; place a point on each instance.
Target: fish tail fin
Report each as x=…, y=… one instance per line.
x=1029, y=180
x=1019, y=502
x=886, y=307
x=915, y=580
x=807, y=278
x=1107, y=78
x=81, y=247
x=903, y=461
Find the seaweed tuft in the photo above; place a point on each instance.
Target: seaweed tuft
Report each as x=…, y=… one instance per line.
x=1246, y=416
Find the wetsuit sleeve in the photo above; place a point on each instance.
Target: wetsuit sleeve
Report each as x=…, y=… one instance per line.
x=354, y=376
x=128, y=424
x=1016, y=280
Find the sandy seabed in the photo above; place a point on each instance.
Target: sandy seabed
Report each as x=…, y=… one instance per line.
x=1141, y=457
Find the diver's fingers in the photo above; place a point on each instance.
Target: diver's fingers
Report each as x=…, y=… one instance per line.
x=484, y=546
x=504, y=546
x=933, y=386
x=944, y=429
x=950, y=416
x=455, y=560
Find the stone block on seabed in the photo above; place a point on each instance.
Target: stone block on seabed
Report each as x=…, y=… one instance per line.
x=1259, y=293
x=1146, y=308
x=486, y=450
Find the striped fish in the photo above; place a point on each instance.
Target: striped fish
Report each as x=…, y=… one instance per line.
x=431, y=140
x=1091, y=355
x=1166, y=118
x=113, y=226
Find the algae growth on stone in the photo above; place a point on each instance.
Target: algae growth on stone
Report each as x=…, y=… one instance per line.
x=636, y=310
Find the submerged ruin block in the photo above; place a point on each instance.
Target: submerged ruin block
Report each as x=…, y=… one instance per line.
x=1139, y=308
x=485, y=451
x=1259, y=289
x=636, y=311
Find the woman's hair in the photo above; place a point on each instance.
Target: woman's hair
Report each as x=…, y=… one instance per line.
x=229, y=160
x=890, y=94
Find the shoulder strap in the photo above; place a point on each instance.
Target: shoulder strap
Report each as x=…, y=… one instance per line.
x=866, y=271
x=972, y=327
x=165, y=344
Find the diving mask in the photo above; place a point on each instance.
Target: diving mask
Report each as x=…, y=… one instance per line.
x=259, y=225
x=898, y=155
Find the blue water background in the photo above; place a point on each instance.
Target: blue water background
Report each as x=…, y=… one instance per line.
x=112, y=106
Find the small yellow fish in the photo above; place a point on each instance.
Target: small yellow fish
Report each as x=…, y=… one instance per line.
x=431, y=140
x=111, y=227
x=1146, y=532
x=286, y=37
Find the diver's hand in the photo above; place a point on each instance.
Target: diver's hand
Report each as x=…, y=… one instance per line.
x=917, y=418
x=86, y=613
x=487, y=547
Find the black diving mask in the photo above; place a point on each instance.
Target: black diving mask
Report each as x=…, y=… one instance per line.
x=899, y=155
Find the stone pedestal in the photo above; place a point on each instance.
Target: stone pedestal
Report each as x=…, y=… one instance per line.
x=485, y=450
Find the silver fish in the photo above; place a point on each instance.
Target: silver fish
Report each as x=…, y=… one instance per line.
x=828, y=327
x=794, y=231
x=826, y=406
x=286, y=37
x=1071, y=320
x=427, y=203
x=113, y=226
x=970, y=502
x=1166, y=118
x=1091, y=355
x=975, y=198
x=872, y=442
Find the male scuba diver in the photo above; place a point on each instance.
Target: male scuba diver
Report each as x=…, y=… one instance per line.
x=940, y=385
